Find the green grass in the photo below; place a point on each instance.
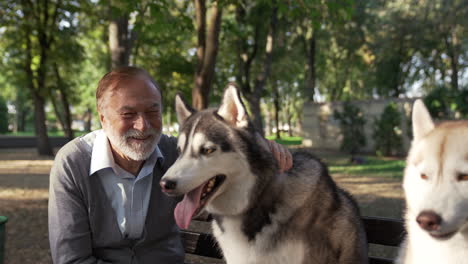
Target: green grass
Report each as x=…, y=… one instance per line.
x=286, y=140
x=373, y=166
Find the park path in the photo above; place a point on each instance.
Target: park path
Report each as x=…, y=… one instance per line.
x=24, y=184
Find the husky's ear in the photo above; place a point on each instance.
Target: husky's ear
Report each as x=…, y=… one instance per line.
x=422, y=121
x=183, y=110
x=232, y=109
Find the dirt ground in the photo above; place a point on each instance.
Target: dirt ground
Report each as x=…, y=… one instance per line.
x=24, y=193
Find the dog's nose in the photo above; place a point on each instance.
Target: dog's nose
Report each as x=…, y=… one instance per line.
x=429, y=220
x=168, y=185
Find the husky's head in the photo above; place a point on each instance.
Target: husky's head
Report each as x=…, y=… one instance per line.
x=436, y=176
x=217, y=149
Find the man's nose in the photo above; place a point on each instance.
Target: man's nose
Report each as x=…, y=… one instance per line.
x=141, y=123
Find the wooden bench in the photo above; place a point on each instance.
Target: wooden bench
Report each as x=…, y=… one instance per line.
x=380, y=231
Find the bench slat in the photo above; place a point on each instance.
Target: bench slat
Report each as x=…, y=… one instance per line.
x=384, y=231
x=200, y=244
x=375, y=260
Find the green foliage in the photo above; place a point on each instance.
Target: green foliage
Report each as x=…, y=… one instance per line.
x=352, y=124
x=387, y=132
x=461, y=103
x=3, y=116
x=438, y=102
x=444, y=103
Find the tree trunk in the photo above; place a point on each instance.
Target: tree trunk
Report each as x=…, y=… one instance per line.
x=207, y=51
x=20, y=116
x=43, y=144
x=67, y=119
x=88, y=120
x=311, y=71
x=288, y=118
x=260, y=81
x=119, y=42
x=267, y=121
x=277, y=110
x=254, y=103
x=451, y=50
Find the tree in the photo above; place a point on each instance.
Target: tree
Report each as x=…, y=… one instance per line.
x=3, y=116
x=207, y=50
x=250, y=18
x=38, y=19
x=36, y=34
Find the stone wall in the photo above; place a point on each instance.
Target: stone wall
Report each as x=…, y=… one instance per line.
x=321, y=129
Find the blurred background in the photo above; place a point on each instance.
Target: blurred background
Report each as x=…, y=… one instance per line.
x=312, y=69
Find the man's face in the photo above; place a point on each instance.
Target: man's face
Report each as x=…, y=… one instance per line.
x=131, y=118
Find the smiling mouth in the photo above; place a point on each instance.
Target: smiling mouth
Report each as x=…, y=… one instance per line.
x=195, y=201
x=140, y=138
x=209, y=189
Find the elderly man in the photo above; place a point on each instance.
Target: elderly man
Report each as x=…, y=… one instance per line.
x=105, y=202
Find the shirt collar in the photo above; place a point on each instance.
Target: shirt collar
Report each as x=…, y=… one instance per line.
x=101, y=156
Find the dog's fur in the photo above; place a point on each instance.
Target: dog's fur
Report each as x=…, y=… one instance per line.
x=261, y=215
x=436, y=181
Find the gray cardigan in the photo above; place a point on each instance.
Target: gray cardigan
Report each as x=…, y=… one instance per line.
x=83, y=226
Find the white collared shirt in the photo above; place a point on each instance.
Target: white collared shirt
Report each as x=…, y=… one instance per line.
x=129, y=195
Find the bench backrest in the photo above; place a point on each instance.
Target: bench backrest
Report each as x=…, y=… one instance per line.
x=380, y=231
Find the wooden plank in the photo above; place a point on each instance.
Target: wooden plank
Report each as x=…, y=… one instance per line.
x=381, y=231
x=384, y=231
x=200, y=244
x=375, y=260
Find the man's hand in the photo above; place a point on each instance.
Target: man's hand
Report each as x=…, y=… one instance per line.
x=281, y=154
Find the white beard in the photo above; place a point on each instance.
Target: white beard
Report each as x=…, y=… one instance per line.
x=137, y=151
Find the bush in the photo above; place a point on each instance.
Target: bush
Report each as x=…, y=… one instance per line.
x=438, y=102
x=460, y=103
x=444, y=103
x=352, y=128
x=3, y=116
x=387, y=132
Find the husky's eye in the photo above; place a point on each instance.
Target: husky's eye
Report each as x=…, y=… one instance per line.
x=462, y=176
x=206, y=151
x=424, y=176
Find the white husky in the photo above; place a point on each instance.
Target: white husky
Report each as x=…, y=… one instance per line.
x=436, y=189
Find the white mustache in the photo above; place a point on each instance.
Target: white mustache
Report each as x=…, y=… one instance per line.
x=139, y=134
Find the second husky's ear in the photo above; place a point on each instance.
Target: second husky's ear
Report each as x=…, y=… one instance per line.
x=232, y=109
x=422, y=121
x=183, y=110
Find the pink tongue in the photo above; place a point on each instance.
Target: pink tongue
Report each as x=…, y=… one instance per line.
x=184, y=210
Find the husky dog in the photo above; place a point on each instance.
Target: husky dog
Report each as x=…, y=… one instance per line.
x=436, y=190
x=260, y=215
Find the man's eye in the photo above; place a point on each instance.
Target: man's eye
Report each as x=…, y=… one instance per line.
x=128, y=115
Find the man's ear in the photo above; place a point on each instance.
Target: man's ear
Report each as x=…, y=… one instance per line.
x=232, y=108
x=183, y=110
x=101, y=116
x=422, y=121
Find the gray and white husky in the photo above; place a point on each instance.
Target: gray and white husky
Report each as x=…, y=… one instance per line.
x=260, y=215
